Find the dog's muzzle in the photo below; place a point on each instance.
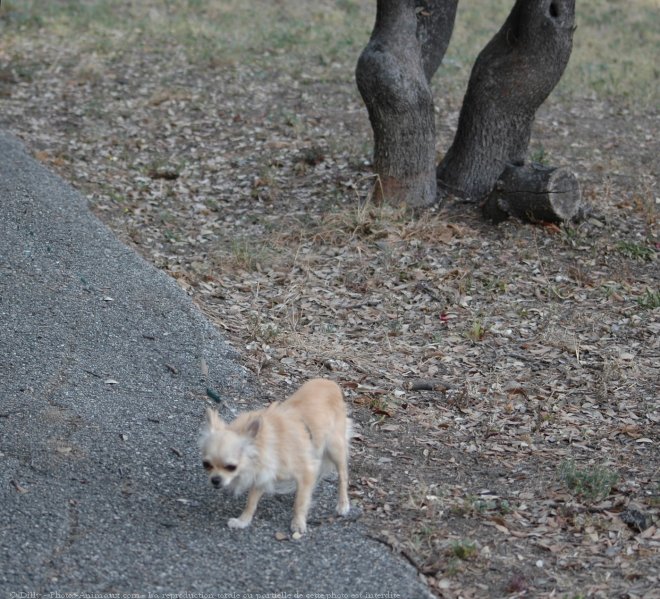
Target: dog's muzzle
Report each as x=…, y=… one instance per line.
x=216, y=481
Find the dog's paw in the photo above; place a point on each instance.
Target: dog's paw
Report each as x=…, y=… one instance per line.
x=343, y=508
x=299, y=526
x=238, y=523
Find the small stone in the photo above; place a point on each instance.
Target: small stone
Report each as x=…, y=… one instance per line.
x=636, y=520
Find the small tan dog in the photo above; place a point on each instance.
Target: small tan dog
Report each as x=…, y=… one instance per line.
x=286, y=446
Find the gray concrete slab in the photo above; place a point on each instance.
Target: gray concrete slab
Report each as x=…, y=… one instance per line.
x=101, y=399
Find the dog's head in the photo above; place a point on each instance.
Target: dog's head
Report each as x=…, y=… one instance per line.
x=226, y=453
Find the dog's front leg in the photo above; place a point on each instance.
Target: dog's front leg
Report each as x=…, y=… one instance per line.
x=243, y=521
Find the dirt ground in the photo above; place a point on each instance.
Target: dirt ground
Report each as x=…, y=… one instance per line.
x=503, y=379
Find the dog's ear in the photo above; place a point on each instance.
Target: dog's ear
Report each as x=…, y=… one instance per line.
x=213, y=420
x=253, y=427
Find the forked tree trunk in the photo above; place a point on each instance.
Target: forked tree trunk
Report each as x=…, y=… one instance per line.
x=511, y=78
x=391, y=80
x=435, y=24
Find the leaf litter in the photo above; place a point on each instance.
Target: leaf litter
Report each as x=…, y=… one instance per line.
x=476, y=359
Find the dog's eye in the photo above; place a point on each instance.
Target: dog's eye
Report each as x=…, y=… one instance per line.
x=207, y=465
x=230, y=467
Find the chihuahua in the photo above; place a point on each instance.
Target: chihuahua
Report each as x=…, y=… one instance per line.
x=285, y=447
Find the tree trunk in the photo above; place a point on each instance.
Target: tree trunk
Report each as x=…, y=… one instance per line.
x=534, y=193
x=511, y=78
x=391, y=80
x=435, y=24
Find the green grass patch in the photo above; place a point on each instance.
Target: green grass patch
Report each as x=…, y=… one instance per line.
x=476, y=331
x=248, y=254
x=216, y=31
x=614, y=53
x=614, y=49
x=650, y=300
x=589, y=484
x=463, y=550
x=489, y=506
x=638, y=251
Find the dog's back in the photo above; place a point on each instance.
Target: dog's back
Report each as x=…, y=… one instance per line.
x=320, y=404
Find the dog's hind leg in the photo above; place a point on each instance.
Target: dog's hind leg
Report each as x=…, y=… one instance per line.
x=303, y=500
x=337, y=451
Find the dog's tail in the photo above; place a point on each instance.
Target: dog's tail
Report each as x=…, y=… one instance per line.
x=350, y=429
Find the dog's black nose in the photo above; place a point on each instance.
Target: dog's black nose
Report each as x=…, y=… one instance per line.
x=216, y=481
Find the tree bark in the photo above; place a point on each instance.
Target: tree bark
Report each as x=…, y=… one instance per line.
x=394, y=87
x=511, y=78
x=534, y=193
x=435, y=24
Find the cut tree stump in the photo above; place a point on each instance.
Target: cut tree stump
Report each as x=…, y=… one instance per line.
x=534, y=193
